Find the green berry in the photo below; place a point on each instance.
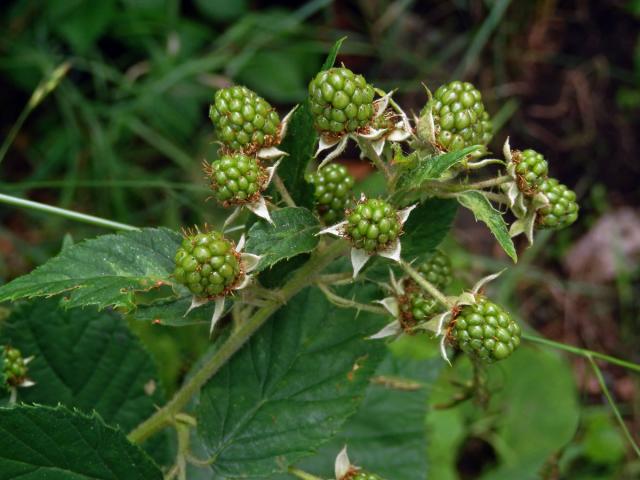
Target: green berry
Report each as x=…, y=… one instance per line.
x=531, y=170
x=207, y=264
x=373, y=225
x=562, y=209
x=236, y=178
x=244, y=121
x=436, y=269
x=487, y=128
x=485, y=331
x=362, y=475
x=332, y=191
x=416, y=305
x=459, y=116
x=340, y=101
x=14, y=370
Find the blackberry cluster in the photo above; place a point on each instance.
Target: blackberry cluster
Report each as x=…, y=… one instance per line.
x=485, y=331
x=562, y=209
x=14, y=370
x=243, y=121
x=207, y=264
x=332, y=191
x=341, y=101
x=460, y=116
x=437, y=269
x=531, y=170
x=373, y=225
x=416, y=305
x=236, y=178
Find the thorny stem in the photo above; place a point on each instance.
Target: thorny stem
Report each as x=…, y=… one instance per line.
x=63, y=212
x=342, y=302
x=461, y=187
x=370, y=153
x=282, y=190
x=302, y=278
x=481, y=394
x=425, y=284
x=296, y=472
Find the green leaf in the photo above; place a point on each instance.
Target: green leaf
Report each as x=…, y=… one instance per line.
x=300, y=144
x=427, y=225
x=388, y=434
x=432, y=167
x=85, y=359
x=333, y=53
x=56, y=443
x=484, y=212
x=278, y=75
x=535, y=395
x=290, y=388
x=293, y=232
x=105, y=271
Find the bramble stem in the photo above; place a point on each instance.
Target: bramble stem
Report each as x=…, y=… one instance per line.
x=613, y=405
x=305, y=276
x=370, y=153
x=62, y=212
x=425, y=284
x=582, y=352
x=461, y=187
x=282, y=190
x=296, y=472
x=342, y=302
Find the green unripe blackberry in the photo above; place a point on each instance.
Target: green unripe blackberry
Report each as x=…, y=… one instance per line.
x=236, y=178
x=373, y=225
x=14, y=370
x=340, y=101
x=436, y=269
x=562, y=209
x=485, y=330
x=332, y=191
x=416, y=305
x=244, y=121
x=459, y=116
x=487, y=128
x=531, y=170
x=207, y=264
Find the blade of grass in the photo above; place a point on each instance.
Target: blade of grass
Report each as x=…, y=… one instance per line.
x=63, y=212
x=612, y=404
x=44, y=88
x=481, y=37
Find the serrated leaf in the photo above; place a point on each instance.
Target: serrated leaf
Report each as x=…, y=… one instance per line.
x=484, y=212
x=432, y=167
x=293, y=232
x=290, y=388
x=85, y=359
x=55, y=443
x=388, y=434
x=300, y=143
x=521, y=447
x=105, y=271
x=427, y=225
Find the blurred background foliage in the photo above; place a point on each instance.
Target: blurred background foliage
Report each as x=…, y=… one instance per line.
x=123, y=133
